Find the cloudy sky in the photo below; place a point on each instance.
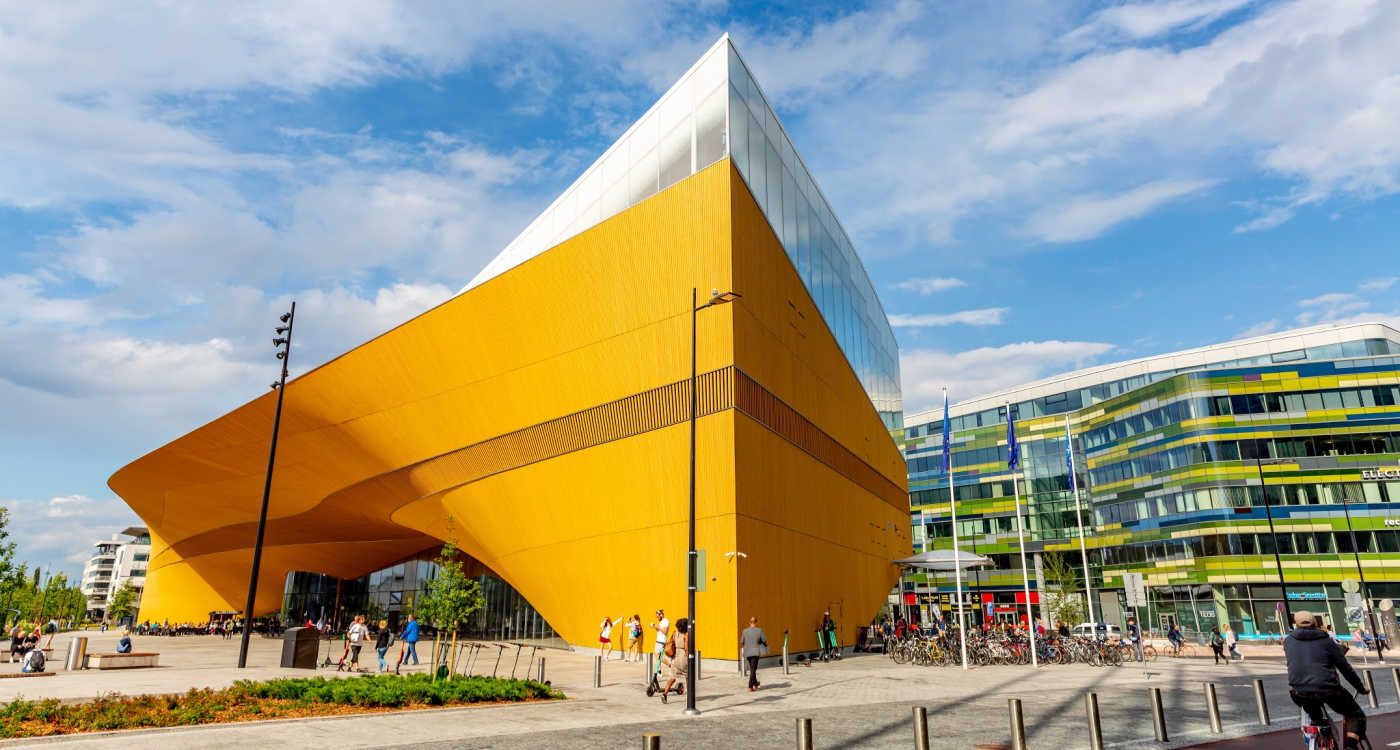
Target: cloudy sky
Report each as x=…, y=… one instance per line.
x=1034, y=186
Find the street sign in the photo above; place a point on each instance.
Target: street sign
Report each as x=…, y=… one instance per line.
x=1134, y=590
x=1353, y=600
x=1354, y=615
x=1385, y=605
x=1351, y=585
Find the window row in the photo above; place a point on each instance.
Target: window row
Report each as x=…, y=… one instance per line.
x=1220, y=545
x=1249, y=450
x=1212, y=498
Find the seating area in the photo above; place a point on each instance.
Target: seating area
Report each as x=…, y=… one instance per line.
x=123, y=661
x=9, y=675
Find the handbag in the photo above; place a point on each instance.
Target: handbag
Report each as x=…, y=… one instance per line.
x=670, y=649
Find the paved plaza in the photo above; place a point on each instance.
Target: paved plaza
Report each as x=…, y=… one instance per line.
x=861, y=701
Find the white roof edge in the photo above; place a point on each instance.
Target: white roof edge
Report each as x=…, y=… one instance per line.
x=492, y=268
x=1221, y=352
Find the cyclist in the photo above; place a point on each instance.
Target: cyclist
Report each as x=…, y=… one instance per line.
x=1135, y=637
x=1175, y=638
x=1314, y=661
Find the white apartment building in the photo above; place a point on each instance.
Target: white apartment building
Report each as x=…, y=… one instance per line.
x=113, y=563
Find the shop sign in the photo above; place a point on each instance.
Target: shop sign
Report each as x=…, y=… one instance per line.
x=1207, y=614
x=1381, y=473
x=1307, y=596
x=1392, y=522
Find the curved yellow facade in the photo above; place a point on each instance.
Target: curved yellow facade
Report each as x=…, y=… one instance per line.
x=542, y=416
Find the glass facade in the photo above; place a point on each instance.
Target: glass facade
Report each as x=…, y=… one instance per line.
x=717, y=110
x=1179, y=478
x=389, y=594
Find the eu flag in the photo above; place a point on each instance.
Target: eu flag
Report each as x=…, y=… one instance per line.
x=947, y=436
x=1013, y=451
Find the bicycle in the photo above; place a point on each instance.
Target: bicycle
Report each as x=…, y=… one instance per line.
x=1324, y=736
x=1184, y=650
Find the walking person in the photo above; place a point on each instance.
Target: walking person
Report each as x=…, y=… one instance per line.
x=382, y=644
x=1217, y=645
x=1232, y=642
x=409, y=636
x=634, y=638
x=355, y=637
x=677, y=653
x=826, y=636
x=753, y=644
x=661, y=626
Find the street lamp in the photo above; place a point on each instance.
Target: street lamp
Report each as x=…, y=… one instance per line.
x=1365, y=590
x=283, y=344
x=1273, y=538
x=692, y=574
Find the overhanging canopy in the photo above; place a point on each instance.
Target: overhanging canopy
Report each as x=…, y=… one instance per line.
x=943, y=560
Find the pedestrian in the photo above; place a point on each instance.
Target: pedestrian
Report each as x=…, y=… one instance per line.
x=753, y=644
x=33, y=660
x=634, y=638
x=605, y=629
x=677, y=653
x=382, y=643
x=1062, y=629
x=1175, y=638
x=826, y=636
x=661, y=625
x=1232, y=641
x=356, y=636
x=410, y=643
x=124, y=643
x=1217, y=644
x=16, y=643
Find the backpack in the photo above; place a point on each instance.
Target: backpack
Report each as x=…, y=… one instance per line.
x=36, y=660
x=1216, y=639
x=392, y=639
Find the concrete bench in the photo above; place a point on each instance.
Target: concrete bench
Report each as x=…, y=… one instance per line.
x=123, y=661
x=9, y=675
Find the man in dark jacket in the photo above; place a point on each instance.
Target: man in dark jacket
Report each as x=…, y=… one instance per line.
x=1314, y=660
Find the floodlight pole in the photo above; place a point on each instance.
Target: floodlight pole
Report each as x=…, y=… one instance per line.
x=284, y=353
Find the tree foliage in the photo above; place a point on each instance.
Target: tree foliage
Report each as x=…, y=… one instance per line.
x=123, y=602
x=450, y=598
x=1064, y=595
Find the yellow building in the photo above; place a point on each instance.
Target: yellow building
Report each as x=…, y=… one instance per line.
x=540, y=417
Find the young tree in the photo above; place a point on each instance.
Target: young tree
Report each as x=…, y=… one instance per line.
x=1064, y=599
x=123, y=603
x=450, y=599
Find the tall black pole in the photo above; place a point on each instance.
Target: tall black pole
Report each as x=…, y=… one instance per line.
x=284, y=354
x=1278, y=559
x=1365, y=590
x=691, y=574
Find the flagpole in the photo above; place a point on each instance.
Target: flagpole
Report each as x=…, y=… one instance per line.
x=1078, y=516
x=1021, y=530
x=953, y=509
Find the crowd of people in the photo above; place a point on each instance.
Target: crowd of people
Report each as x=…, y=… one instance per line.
x=671, y=647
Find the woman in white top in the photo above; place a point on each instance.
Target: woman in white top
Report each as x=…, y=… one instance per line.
x=605, y=636
x=355, y=637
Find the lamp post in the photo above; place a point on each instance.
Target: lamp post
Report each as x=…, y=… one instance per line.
x=1273, y=537
x=692, y=574
x=283, y=344
x=1365, y=590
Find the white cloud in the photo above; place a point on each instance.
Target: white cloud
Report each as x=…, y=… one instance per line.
x=978, y=372
x=987, y=316
x=930, y=286
x=1087, y=217
x=1378, y=284
x=1147, y=20
x=58, y=533
x=1259, y=329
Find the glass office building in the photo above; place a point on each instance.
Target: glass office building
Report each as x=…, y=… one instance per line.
x=1240, y=479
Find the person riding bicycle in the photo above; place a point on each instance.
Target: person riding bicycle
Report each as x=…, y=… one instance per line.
x=1175, y=637
x=1314, y=661
x=1135, y=637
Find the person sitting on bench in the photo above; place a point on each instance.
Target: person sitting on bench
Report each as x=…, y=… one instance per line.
x=33, y=661
x=124, y=643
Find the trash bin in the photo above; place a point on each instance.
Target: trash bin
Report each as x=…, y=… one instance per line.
x=77, y=653
x=300, y=647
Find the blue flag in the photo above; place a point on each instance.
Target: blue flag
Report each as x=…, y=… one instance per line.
x=1013, y=451
x=1069, y=456
x=947, y=436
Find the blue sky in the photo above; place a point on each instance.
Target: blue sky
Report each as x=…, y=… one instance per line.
x=1034, y=186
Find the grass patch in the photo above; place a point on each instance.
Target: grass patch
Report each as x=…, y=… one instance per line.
x=247, y=700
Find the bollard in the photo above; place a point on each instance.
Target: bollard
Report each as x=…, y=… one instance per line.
x=651, y=667
x=77, y=653
x=789, y=671
x=651, y=741
x=920, y=728
x=1261, y=704
x=1091, y=708
x=1159, y=717
x=597, y=671
x=1018, y=724
x=1373, y=700
x=1213, y=708
x=540, y=678
x=804, y=734
x=697, y=665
